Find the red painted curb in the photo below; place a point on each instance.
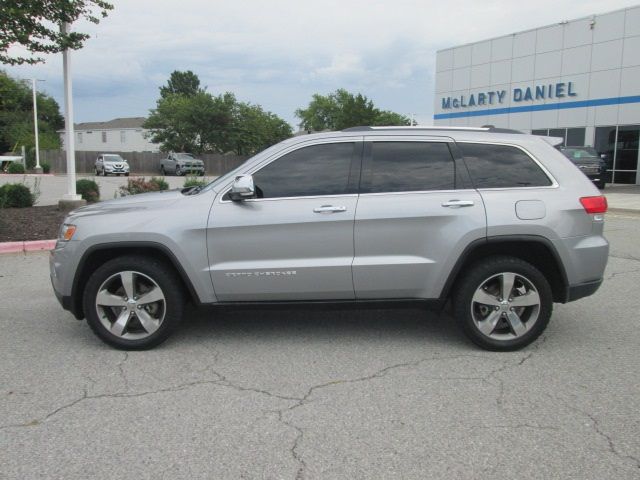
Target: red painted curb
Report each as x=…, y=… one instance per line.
x=29, y=246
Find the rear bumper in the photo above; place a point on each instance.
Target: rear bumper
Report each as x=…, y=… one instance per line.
x=581, y=290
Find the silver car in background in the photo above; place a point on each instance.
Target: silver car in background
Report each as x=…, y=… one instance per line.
x=111, y=164
x=498, y=223
x=181, y=164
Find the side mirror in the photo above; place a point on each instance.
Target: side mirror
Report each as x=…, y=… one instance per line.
x=242, y=188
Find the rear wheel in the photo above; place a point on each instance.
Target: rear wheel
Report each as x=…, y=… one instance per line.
x=503, y=303
x=178, y=171
x=133, y=303
x=162, y=172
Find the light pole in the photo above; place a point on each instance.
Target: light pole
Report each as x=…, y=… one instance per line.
x=35, y=123
x=69, y=199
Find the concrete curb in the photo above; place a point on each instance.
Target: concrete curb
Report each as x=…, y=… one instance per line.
x=27, y=246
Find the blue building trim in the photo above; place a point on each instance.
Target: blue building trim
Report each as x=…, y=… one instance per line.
x=538, y=108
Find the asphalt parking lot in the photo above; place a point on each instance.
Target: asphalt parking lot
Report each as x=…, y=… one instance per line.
x=322, y=393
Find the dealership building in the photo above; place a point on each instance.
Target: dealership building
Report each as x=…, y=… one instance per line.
x=577, y=79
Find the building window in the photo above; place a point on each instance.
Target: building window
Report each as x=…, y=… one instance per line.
x=619, y=145
x=79, y=137
x=104, y=137
x=571, y=137
x=123, y=136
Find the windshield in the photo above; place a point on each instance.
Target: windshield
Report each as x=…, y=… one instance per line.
x=580, y=153
x=184, y=156
x=113, y=158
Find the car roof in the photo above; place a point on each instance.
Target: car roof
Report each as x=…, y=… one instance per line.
x=476, y=134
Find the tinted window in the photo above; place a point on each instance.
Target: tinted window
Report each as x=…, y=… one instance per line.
x=501, y=166
x=410, y=166
x=315, y=170
x=575, y=137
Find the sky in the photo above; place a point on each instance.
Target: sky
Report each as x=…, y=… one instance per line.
x=279, y=53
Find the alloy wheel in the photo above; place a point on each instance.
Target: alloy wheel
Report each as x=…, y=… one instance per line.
x=130, y=305
x=505, y=306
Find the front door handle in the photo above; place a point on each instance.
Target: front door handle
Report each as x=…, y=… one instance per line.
x=329, y=209
x=458, y=203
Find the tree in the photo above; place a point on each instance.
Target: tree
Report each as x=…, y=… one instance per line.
x=341, y=109
x=189, y=119
x=16, y=117
x=181, y=83
x=35, y=25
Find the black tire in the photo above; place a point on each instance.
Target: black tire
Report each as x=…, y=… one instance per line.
x=162, y=172
x=126, y=174
x=601, y=185
x=473, y=279
x=97, y=172
x=201, y=174
x=178, y=171
x=162, y=274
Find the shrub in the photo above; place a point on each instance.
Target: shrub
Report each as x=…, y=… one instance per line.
x=46, y=168
x=160, y=182
x=15, y=167
x=15, y=195
x=194, y=182
x=140, y=185
x=88, y=189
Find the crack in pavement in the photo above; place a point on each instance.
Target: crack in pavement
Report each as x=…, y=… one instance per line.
x=625, y=257
x=598, y=429
x=615, y=274
x=223, y=381
x=294, y=450
x=123, y=375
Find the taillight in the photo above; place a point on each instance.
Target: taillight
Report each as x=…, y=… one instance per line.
x=594, y=204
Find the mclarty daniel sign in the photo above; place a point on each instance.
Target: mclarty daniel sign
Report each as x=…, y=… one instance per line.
x=496, y=97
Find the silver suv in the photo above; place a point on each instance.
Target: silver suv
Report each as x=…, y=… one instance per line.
x=500, y=223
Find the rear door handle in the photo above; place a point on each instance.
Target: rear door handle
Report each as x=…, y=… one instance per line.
x=329, y=209
x=458, y=203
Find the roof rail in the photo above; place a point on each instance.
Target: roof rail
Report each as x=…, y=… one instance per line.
x=486, y=128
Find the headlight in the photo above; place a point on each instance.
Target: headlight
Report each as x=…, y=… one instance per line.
x=67, y=231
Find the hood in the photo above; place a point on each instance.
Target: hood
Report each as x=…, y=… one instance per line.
x=143, y=201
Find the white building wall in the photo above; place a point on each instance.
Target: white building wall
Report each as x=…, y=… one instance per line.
x=115, y=140
x=599, y=55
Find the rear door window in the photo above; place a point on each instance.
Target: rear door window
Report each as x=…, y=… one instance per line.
x=409, y=167
x=501, y=166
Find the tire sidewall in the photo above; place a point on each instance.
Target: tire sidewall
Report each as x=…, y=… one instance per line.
x=474, y=278
x=160, y=273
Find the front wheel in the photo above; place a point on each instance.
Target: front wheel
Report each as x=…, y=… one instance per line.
x=133, y=303
x=503, y=303
x=178, y=171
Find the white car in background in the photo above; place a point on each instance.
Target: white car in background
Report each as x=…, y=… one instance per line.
x=111, y=164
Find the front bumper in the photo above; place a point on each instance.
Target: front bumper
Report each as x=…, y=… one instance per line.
x=192, y=168
x=59, y=260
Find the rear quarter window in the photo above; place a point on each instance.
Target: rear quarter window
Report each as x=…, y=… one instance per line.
x=501, y=166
